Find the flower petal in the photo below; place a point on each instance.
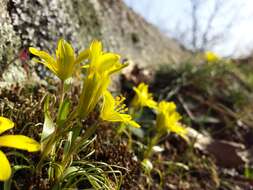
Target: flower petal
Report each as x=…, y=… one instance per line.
x=19, y=142
x=47, y=59
x=95, y=49
x=65, y=53
x=82, y=56
x=107, y=61
x=43, y=55
x=5, y=124
x=5, y=168
x=53, y=68
x=108, y=112
x=133, y=124
x=65, y=57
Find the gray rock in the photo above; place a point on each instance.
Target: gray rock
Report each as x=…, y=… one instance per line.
x=227, y=154
x=41, y=23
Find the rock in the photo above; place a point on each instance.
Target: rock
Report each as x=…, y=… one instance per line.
x=227, y=154
x=41, y=23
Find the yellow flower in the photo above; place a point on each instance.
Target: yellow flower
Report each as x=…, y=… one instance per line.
x=64, y=65
x=13, y=141
x=211, y=57
x=168, y=119
x=113, y=110
x=101, y=66
x=143, y=97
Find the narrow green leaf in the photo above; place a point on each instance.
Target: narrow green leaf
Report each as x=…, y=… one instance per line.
x=63, y=111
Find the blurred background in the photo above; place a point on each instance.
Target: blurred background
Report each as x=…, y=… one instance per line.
x=222, y=26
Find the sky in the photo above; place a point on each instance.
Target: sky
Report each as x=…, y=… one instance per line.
x=172, y=16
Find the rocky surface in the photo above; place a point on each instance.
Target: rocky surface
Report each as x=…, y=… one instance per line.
x=41, y=23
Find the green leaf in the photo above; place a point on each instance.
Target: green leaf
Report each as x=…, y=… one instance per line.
x=63, y=111
x=70, y=170
x=137, y=131
x=48, y=126
x=72, y=135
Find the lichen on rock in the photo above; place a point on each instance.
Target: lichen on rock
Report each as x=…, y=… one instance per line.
x=40, y=23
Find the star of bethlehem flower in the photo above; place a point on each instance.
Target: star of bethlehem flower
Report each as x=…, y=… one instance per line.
x=12, y=141
x=142, y=97
x=113, y=110
x=65, y=62
x=99, y=70
x=168, y=118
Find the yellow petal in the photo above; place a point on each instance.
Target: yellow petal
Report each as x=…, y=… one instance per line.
x=142, y=97
x=180, y=130
x=5, y=168
x=19, y=142
x=47, y=59
x=107, y=61
x=65, y=53
x=82, y=56
x=95, y=52
x=43, y=55
x=85, y=66
x=5, y=124
x=65, y=57
x=53, y=68
x=134, y=124
x=95, y=49
x=211, y=57
x=108, y=112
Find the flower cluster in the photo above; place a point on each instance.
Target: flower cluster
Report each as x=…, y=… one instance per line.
x=167, y=119
x=63, y=132
x=100, y=67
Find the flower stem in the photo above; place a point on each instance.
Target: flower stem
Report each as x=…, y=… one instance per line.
x=152, y=143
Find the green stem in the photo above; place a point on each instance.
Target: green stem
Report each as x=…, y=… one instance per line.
x=51, y=142
x=62, y=96
x=45, y=153
x=152, y=143
x=130, y=139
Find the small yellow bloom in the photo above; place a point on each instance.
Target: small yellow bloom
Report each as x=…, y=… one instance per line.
x=168, y=119
x=142, y=97
x=104, y=63
x=101, y=66
x=211, y=57
x=64, y=65
x=12, y=141
x=113, y=110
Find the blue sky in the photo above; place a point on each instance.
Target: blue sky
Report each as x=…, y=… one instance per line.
x=171, y=14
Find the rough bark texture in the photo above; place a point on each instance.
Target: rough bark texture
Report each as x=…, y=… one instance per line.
x=41, y=23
